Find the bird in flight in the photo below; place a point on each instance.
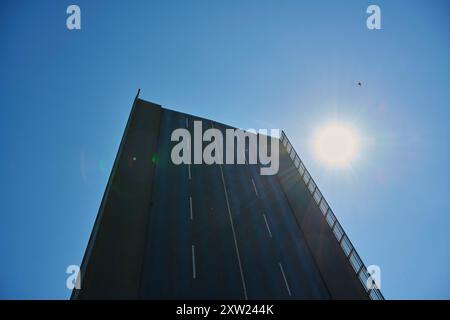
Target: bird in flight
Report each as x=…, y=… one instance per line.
x=359, y=83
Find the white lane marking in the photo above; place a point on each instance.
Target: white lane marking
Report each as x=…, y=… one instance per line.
x=194, y=275
x=285, y=280
x=234, y=234
x=189, y=170
x=232, y=229
x=254, y=186
x=190, y=205
x=267, y=225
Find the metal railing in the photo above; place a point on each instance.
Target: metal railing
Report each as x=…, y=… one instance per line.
x=349, y=250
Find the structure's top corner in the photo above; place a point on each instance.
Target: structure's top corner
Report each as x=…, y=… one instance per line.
x=139, y=91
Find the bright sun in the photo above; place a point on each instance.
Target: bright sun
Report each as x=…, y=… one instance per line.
x=336, y=145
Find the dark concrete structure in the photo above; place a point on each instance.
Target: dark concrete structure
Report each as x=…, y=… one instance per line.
x=166, y=231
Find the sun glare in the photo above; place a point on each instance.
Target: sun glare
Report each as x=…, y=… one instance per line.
x=336, y=145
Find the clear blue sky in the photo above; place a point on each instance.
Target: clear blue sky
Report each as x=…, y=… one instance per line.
x=65, y=97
